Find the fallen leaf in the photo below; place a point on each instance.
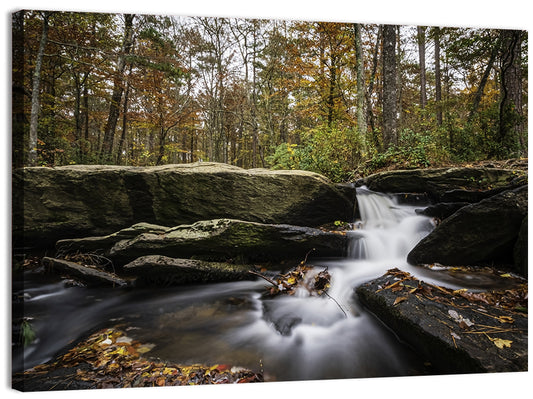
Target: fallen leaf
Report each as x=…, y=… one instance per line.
x=399, y=300
x=501, y=343
x=145, y=348
x=505, y=319
x=124, y=340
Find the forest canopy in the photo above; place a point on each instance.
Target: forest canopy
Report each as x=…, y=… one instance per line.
x=341, y=99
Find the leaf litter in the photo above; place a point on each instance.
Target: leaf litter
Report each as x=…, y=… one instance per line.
x=514, y=301
x=115, y=361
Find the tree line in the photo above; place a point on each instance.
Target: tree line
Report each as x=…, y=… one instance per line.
x=335, y=98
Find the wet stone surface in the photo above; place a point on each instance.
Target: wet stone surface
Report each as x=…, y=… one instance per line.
x=460, y=331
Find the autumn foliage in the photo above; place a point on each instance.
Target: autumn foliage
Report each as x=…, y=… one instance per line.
x=147, y=90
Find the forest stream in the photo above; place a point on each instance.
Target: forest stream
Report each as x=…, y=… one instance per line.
x=295, y=337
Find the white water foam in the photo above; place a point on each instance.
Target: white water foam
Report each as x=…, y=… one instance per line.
x=332, y=337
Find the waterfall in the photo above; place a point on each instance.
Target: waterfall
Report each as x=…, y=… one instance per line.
x=387, y=230
x=316, y=338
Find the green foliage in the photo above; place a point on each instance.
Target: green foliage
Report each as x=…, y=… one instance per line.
x=332, y=152
x=286, y=156
x=414, y=150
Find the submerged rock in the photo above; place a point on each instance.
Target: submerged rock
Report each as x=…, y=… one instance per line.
x=80, y=200
x=165, y=271
x=457, y=331
x=482, y=233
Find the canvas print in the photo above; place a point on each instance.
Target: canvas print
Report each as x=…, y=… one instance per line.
x=208, y=200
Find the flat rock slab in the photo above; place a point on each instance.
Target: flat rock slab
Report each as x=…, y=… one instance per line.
x=86, y=274
x=458, y=331
x=164, y=271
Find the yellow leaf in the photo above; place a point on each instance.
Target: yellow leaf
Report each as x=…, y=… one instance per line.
x=505, y=275
x=399, y=299
x=145, y=348
x=505, y=319
x=501, y=343
x=169, y=371
x=459, y=291
x=291, y=280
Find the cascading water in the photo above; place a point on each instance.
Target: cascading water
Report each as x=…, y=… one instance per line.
x=288, y=337
x=308, y=337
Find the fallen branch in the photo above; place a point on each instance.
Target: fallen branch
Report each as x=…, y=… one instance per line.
x=338, y=304
x=263, y=277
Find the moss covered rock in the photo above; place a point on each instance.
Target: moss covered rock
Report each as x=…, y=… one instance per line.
x=230, y=239
x=215, y=240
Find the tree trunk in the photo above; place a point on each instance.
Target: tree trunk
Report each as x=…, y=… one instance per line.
x=85, y=149
x=359, y=66
x=18, y=118
x=116, y=97
x=390, y=123
x=483, y=82
x=121, y=144
x=35, y=98
x=511, y=118
x=438, y=78
x=370, y=92
x=421, y=36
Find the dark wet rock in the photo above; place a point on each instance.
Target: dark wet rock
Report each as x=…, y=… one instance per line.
x=448, y=329
x=165, y=271
x=442, y=210
x=79, y=200
x=412, y=198
x=520, y=250
x=282, y=322
x=447, y=184
x=482, y=233
x=91, y=276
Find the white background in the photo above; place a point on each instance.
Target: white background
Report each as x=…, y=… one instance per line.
x=468, y=13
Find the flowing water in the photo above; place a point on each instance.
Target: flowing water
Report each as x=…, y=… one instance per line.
x=287, y=337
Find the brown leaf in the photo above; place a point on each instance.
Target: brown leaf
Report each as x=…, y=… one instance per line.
x=399, y=300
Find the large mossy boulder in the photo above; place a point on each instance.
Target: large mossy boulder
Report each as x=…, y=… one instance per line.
x=477, y=234
x=80, y=200
x=216, y=240
x=460, y=184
